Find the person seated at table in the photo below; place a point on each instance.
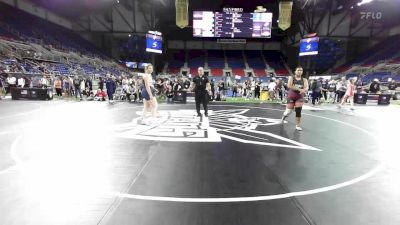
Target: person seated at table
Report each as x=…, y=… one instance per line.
x=375, y=87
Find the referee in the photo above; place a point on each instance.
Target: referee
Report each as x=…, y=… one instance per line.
x=202, y=88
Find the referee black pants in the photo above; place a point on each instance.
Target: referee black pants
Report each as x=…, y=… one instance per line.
x=201, y=98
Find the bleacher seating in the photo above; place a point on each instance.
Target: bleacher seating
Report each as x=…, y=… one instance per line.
x=390, y=50
x=176, y=61
x=174, y=70
x=254, y=59
x=6, y=34
x=274, y=60
x=350, y=75
x=342, y=69
x=196, y=58
x=216, y=59
x=260, y=72
x=134, y=48
x=381, y=76
x=235, y=59
x=329, y=52
x=217, y=72
x=385, y=50
x=41, y=30
x=194, y=71
x=238, y=71
x=62, y=69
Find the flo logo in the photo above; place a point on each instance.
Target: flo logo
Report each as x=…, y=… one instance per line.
x=371, y=15
x=185, y=126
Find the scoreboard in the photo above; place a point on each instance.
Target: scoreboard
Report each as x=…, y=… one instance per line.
x=232, y=24
x=154, y=42
x=309, y=46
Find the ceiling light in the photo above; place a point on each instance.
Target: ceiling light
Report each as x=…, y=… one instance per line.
x=364, y=2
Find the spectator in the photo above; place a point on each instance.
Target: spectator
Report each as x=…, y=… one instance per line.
x=341, y=88
x=138, y=88
x=44, y=82
x=324, y=89
x=186, y=83
x=392, y=87
x=234, y=90
x=212, y=89
x=2, y=90
x=129, y=92
x=169, y=93
x=247, y=89
x=77, y=87
x=71, y=86
x=89, y=84
x=27, y=81
x=280, y=88
x=177, y=86
x=82, y=85
x=21, y=82
x=271, y=89
x=12, y=83
x=111, y=87
x=66, y=86
x=316, y=91
x=100, y=95
x=375, y=87
x=221, y=89
x=159, y=87
x=257, y=90
x=252, y=87
x=58, y=87
x=125, y=84
x=332, y=91
x=101, y=83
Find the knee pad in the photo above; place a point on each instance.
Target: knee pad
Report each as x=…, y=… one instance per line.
x=298, y=111
x=288, y=112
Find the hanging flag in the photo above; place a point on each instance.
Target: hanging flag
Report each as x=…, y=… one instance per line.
x=285, y=15
x=182, y=13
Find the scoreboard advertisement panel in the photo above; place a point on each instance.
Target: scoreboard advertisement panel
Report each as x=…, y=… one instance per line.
x=309, y=46
x=154, y=43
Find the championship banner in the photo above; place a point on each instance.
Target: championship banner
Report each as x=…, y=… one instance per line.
x=285, y=15
x=182, y=13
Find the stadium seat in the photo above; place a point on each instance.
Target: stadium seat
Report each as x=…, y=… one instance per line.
x=217, y=72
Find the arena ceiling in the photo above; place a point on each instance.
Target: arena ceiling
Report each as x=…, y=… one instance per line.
x=307, y=17
x=74, y=8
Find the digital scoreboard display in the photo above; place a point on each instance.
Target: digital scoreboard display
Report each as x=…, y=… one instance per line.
x=154, y=42
x=309, y=46
x=232, y=24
